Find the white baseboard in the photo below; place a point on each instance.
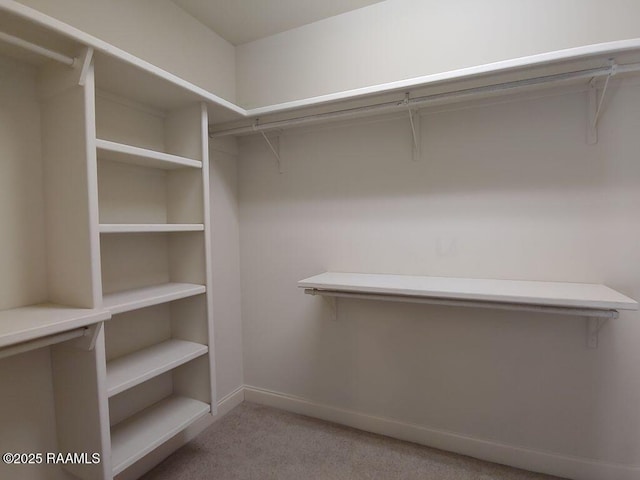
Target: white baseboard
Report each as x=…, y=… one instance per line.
x=229, y=402
x=534, y=460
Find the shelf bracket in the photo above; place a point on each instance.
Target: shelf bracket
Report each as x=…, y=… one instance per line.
x=416, y=131
x=594, y=108
x=88, y=340
x=85, y=62
x=594, y=325
x=273, y=146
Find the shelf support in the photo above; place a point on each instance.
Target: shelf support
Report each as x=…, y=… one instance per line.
x=594, y=107
x=274, y=147
x=416, y=131
x=88, y=340
x=85, y=62
x=594, y=325
x=47, y=341
x=595, y=318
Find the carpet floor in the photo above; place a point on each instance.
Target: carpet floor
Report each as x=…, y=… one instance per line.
x=253, y=442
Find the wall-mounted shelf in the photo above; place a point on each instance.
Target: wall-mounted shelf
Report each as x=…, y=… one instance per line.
x=150, y=227
x=131, y=370
x=36, y=321
x=147, y=296
x=597, y=303
x=135, y=437
x=119, y=152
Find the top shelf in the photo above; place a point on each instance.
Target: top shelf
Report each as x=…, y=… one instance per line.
x=552, y=294
x=126, y=75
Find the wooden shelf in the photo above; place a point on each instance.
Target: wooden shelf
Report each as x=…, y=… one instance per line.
x=148, y=296
x=120, y=152
x=133, y=369
x=36, y=321
x=150, y=227
x=553, y=294
x=133, y=438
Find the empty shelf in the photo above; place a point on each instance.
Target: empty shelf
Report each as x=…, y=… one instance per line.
x=512, y=292
x=148, y=296
x=133, y=438
x=35, y=321
x=120, y=152
x=135, y=368
x=150, y=227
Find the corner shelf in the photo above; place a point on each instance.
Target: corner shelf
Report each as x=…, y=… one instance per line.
x=134, y=437
x=131, y=370
x=150, y=227
x=37, y=321
x=123, y=153
x=147, y=296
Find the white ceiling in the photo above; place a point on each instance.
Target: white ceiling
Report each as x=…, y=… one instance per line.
x=241, y=21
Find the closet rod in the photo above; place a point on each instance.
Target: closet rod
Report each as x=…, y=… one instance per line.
x=417, y=102
x=42, y=342
x=526, y=307
x=32, y=47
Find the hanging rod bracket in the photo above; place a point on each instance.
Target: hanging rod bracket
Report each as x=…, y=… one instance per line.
x=594, y=325
x=88, y=340
x=331, y=301
x=84, y=62
x=416, y=131
x=274, y=144
x=594, y=107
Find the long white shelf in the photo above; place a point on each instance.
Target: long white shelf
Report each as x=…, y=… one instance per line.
x=122, y=73
x=131, y=370
x=133, y=438
x=147, y=296
x=36, y=321
x=150, y=227
x=513, y=292
x=120, y=152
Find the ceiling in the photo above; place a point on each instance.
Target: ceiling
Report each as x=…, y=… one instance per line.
x=242, y=21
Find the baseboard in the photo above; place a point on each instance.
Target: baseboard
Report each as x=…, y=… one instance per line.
x=229, y=402
x=534, y=460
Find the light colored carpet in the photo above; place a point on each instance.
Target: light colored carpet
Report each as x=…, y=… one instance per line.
x=253, y=442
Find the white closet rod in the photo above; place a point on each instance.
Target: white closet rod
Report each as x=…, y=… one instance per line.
x=42, y=342
x=581, y=312
x=32, y=47
x=417, y=102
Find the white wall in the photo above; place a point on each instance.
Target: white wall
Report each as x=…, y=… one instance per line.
x=508, y=191
x=157, y=31
x=226, y=266
x=399, y=39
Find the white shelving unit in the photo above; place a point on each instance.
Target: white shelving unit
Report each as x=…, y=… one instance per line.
x=106, y=157
x=135, y=368
x=149, y=296
x=142, y=156
x=105, y=219
x=150, y=227
x=135, y=437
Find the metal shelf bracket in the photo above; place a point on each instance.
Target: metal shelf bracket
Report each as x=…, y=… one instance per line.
x=273, y=146
x=594, y=325
x=416, y=131
x=595, y=106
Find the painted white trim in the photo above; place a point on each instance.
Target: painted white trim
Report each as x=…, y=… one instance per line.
x=520, y=457
x=229, y=402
